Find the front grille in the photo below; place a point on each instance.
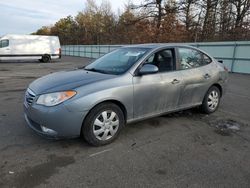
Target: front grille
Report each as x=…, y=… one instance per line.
x=29, y=96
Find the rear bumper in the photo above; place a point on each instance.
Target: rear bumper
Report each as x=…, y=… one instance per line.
x=224, y=85
x=55, y=56
x=54, y=122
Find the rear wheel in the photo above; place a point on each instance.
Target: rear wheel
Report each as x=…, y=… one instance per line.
x=46, y=58
x=211, y=100
x=103, y=124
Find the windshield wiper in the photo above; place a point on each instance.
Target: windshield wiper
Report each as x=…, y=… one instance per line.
x=96, y=70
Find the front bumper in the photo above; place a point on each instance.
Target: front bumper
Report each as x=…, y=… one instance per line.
x=54, y=122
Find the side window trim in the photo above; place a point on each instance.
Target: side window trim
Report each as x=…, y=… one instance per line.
x=205, y=55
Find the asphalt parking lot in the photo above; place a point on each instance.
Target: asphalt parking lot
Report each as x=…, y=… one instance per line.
x=184, y=149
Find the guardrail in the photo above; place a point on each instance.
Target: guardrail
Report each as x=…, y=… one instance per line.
x=235, y=55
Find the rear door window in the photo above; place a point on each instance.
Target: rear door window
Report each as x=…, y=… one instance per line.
x=191, y=58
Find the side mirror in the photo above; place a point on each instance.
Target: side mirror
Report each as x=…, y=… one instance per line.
x=148, y=69
x=220, y=61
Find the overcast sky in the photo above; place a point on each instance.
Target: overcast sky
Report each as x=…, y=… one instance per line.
x=26, y=16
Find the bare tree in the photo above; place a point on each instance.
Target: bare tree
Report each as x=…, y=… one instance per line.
x=151, y=9
x=190, y=14
x=225, y=19
x=156, y=21
x=209, y=23
x=154, y=9
x=242, y=10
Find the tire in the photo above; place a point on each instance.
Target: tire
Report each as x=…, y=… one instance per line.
x=103, y=124
x=46, y=58
x=211, y=100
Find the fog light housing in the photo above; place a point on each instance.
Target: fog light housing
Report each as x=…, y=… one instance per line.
x=48, y=131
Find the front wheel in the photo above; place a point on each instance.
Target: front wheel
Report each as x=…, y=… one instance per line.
x=211, y=100
x=103, y=124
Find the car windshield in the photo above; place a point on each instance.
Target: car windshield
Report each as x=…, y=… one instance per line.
x=118, y=61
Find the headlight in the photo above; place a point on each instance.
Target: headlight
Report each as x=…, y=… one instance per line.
x=52, y=99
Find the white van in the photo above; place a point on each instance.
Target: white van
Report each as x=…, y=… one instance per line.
x=20, y=47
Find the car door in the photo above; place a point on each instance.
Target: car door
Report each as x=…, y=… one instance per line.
x=172, y=80
x=196, y=76
x=159, y=92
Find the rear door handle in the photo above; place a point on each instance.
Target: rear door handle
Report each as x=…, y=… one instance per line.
x=175, y=81
x=207, y=76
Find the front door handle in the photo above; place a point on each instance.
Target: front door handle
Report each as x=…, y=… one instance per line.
x=207, y=76
x=175, y=81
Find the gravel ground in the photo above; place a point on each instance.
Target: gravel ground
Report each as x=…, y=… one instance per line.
x=184, y=149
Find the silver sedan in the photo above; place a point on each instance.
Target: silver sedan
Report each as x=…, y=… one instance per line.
x=129, y=84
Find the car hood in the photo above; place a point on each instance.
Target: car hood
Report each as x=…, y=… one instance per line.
x=66, y=80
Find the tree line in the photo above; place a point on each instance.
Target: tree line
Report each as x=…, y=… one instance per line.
x=155, y=21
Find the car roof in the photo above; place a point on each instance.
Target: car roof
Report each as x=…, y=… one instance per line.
x=153, y=46
x=158, y=45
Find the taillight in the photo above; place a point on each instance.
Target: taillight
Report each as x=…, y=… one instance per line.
x=58, y=51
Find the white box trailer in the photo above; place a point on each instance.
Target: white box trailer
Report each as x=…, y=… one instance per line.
x=20, y=47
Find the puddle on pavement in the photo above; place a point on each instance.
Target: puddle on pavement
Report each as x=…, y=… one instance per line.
x=3, y=69
x=226, y=127
x=38, y=174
